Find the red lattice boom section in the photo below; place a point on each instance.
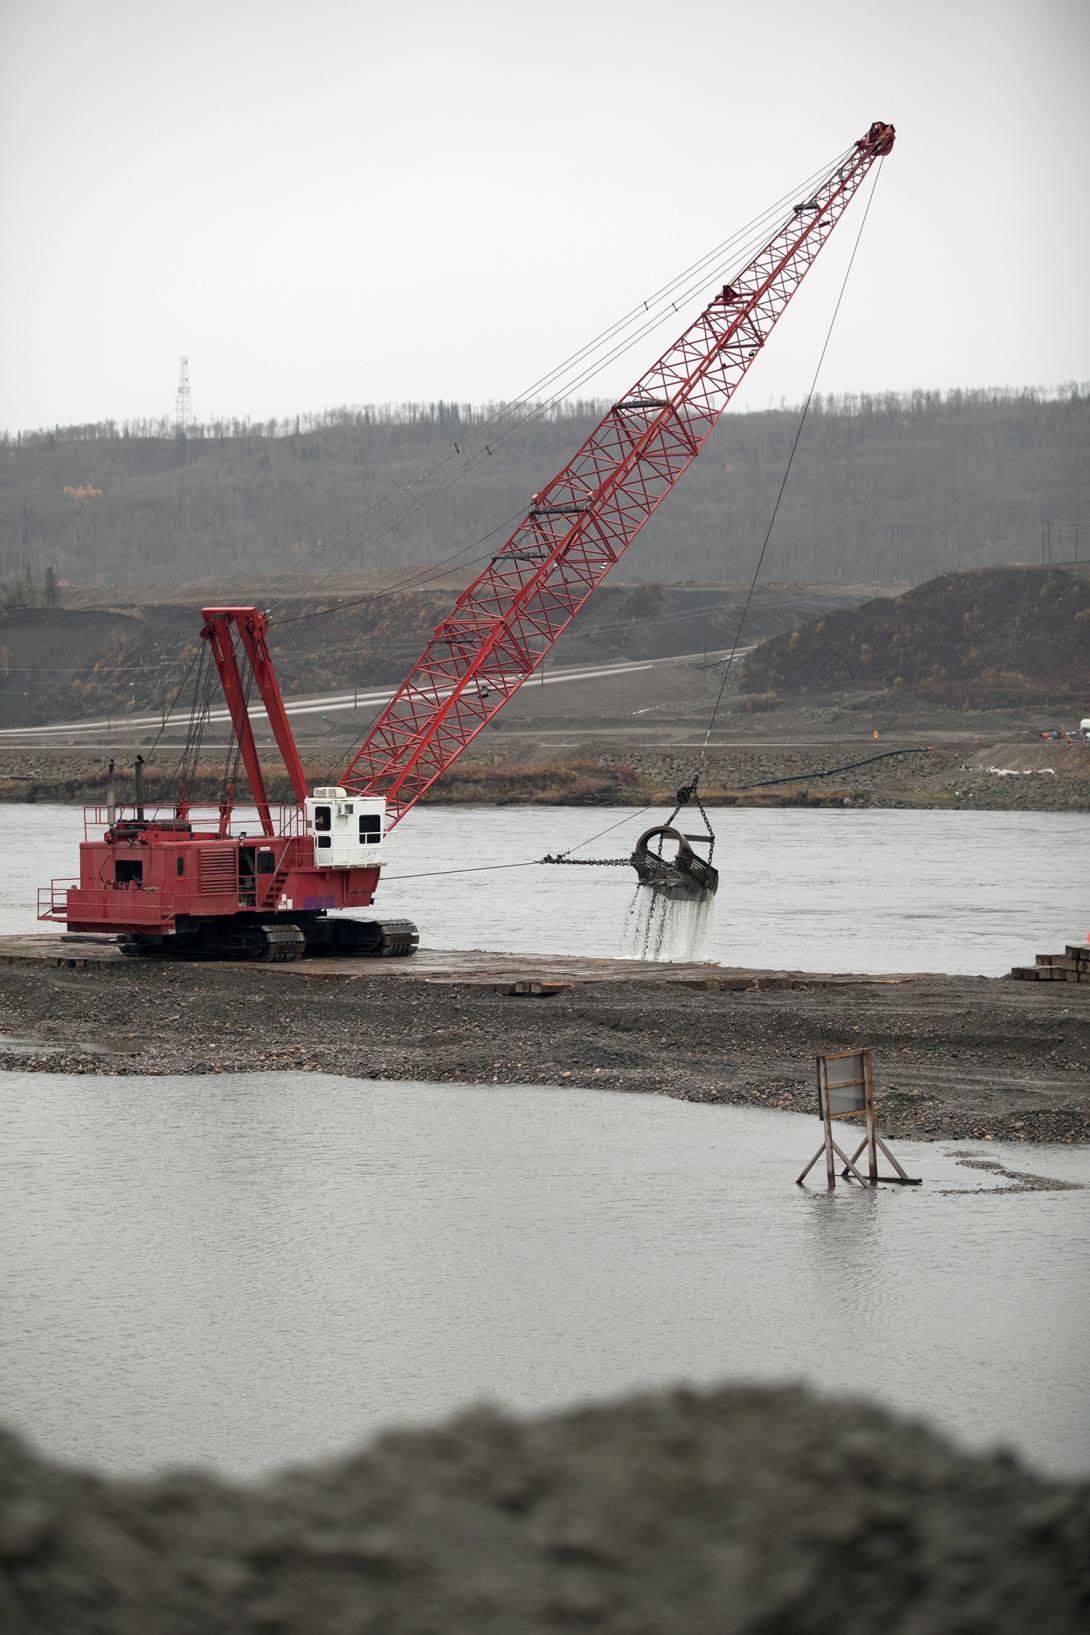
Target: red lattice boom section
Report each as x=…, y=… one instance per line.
x=580, y=524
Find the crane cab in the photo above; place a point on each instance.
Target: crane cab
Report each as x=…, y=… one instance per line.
x=346, y=830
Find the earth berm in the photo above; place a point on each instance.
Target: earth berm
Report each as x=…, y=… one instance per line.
x=741, y=1512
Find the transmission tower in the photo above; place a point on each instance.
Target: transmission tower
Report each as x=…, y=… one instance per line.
x=183, y=407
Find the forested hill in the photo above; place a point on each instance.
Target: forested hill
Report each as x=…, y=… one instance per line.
x=881, y=488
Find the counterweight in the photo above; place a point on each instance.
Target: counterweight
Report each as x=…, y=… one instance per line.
x=579, y=525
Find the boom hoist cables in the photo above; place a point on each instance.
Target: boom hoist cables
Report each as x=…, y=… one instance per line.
x=664, y=857
x=392, y=512
x=580, y=523
x=485, y=438
x=687, y=871
x=592, y=510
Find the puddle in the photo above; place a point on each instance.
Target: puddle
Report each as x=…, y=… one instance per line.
x=1023, y=1180
x=13, y=1045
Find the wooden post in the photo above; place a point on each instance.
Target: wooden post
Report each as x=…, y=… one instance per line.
x=872, y=1132
x=830, y=1165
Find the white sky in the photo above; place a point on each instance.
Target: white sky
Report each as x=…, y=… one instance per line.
x=339, y=201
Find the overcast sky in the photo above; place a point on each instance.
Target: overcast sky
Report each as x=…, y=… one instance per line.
x=343, y=202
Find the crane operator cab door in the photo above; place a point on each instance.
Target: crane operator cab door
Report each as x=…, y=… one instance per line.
x=347, y=830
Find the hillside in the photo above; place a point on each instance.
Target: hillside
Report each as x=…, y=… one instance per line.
x=886, y=489
x=65, y=663
x=992, y=638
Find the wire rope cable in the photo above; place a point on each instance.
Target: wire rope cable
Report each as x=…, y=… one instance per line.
x=629, y=817
x=757, y=570
x=831, y=771
x=787, y=472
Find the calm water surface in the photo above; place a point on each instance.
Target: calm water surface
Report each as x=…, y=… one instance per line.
x=247, y=1270
x=969, y=892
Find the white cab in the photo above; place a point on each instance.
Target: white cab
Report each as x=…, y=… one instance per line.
x=347, y=830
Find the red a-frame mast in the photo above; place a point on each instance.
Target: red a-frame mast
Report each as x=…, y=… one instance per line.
x=580, y=523
x=253, y=629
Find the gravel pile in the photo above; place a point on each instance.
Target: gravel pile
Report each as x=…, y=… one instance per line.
x=741, y=1511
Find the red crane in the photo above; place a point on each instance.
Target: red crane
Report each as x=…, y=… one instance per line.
x=191, y=881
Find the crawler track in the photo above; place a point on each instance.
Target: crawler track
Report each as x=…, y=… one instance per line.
x=280, y=941
x=377, y=939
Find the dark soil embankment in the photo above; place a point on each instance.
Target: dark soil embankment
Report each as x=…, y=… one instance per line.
x=956, y=1056
x=743, y=1512
x=984, y=639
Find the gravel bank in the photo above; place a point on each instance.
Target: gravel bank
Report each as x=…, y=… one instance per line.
x=516, y=768
x=955, y=1057
x=742, y=1512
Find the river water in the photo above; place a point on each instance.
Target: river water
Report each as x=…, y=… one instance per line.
x=243, y=1271
x=972, y=892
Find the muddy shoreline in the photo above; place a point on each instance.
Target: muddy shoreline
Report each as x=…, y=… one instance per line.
x=955, y=1057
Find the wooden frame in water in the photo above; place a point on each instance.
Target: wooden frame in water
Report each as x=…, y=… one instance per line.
x=845, y=1086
